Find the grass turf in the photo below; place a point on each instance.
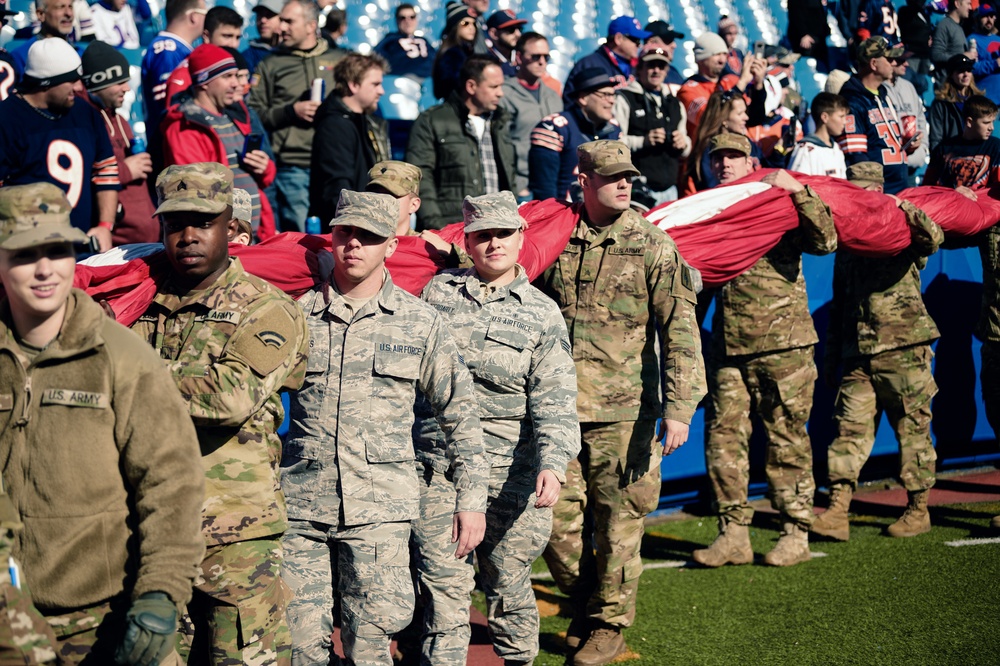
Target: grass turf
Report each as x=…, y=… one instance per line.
x=872, y=600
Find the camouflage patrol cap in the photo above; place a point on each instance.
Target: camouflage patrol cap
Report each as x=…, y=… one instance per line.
x=243, y=210
x=396, y=178
x=877, y=47
x=491, y=211
x=202, y=187
x=242, y=204
x=607, y=158
x=370, y=211
x=729, y=141
x=865, y=173
x=35, y=214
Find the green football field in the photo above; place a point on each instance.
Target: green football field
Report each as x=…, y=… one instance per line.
x=872, y=600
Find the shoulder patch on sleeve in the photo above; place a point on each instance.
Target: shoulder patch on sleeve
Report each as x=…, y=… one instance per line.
x=265, y=342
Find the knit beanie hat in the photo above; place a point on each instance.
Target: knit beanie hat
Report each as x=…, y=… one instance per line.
x=455, y=12
x=50, y=62
x=208, y=62
x=707, y=45
x=241, y=62
x=103, y=66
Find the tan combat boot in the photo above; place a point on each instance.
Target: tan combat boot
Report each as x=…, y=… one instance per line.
x=603, y=645
x=995, y=523
x=915, y=520
x=577, y=631
x=792, y=547
x=732, y=546
x=833, y=523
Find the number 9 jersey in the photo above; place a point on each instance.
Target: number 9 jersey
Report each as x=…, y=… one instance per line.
x=71, y=151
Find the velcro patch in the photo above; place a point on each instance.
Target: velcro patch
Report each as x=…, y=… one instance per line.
x=74, y=398
x=686, y=278
x=6, y=402
x=272, y=338
x=631, y=251
x=228, y=316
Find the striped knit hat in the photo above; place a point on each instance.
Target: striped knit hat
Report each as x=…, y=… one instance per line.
x=209, y=61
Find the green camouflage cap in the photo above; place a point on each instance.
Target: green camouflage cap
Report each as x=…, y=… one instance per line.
x=370, y=211
x=242, y=204
x=865, y=173
x=729, y=141
x=877, y=47
x=202, y=187
x=491, y=211
x=35, y=214
x=607, y=158
x=396, y=178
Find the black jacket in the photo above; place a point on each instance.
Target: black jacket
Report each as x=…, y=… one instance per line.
x=342, y=153
x=448, y=155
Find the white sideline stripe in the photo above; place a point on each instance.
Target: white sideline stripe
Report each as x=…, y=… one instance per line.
x=680, y=564
x=972, y=542
x=670, y=564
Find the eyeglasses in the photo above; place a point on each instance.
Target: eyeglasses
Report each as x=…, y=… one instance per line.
x=408, y=17
x=536, y=57
x=634, y=40
x=466, y=22
x=654, y=64
x=603, y=94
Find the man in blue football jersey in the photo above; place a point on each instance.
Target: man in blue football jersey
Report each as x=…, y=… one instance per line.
x=45, y=137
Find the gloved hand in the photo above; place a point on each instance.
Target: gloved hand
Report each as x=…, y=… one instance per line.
x=149, y=634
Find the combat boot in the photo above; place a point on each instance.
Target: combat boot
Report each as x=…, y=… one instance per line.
x=605, y=643
x=732, y=546
x=995, y=523
x=792, y=547
x=915, y=520
x=833, y=523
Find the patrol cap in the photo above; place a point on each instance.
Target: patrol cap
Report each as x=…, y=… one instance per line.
x=35, y=214
x=397, y=178
x=242, y=205
x=606, y=158
x=370, y=211
x=491, y=211
x=877, y=47
x=202, y=187
x=863, y=174
x=729, y=141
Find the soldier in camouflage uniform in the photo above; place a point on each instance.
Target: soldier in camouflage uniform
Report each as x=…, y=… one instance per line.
x=348, y=466
x=515, y=343
x=25, y=636
x=232, y=342
x=401, y=180
x=761, y=360
x=618, y=282
x=99, y=454
x=880, y=331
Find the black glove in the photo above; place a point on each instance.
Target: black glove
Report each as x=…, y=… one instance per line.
x=149, y=634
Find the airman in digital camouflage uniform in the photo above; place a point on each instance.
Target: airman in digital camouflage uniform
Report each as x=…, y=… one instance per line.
x=881, y=332
x=25, y=636
x=99, y=454
x=515, y=343
x=232, y=342
x=618, y=281
x=348, y=467
x=401, y=180
x=761, y=360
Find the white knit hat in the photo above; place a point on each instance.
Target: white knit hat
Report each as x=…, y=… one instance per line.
x=50, y=62
x=707, y=45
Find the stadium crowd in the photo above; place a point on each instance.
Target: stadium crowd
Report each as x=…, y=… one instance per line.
x=520, y=406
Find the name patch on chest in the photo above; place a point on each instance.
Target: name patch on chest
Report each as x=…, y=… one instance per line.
x=629, y=251
x=392, y=348
x=506, y=321
x=74, y=398
x=227, y=316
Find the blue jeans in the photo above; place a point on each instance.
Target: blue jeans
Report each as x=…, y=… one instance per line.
x=292, y=202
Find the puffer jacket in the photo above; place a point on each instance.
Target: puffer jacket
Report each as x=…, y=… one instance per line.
x=448, y=155
x=102, y=462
